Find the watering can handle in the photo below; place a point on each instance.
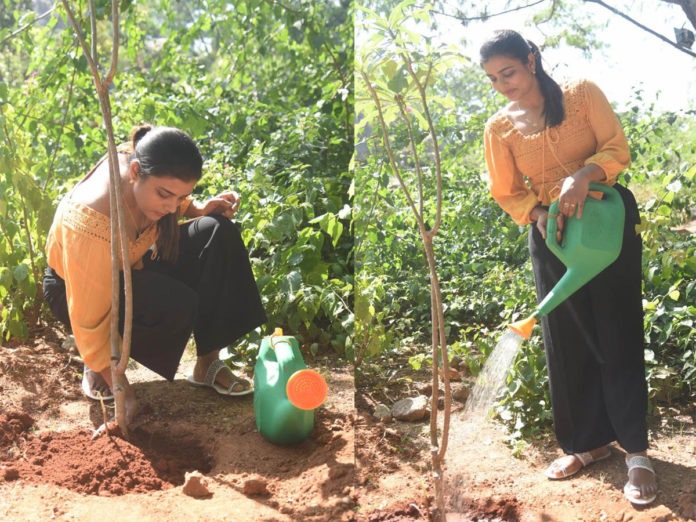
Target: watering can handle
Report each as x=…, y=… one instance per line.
x=597, y=191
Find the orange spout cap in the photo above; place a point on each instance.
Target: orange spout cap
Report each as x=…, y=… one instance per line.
x=524, y=327
x=306, y=389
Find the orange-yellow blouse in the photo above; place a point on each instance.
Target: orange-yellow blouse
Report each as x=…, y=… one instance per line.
x=79, y=250
x=527, y=170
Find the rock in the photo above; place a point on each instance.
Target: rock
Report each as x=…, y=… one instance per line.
x=460, y=393
x=410, y=409
x=425, y=388
x=255, y=487
x=69, y=344
x=196, y=485
x=661, y=514
x=382, y=412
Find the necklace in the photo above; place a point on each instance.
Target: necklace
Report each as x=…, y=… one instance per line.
x=137, y=227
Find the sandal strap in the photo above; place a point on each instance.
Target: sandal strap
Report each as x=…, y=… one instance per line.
x=639, y=461
x=239, y=383
x=235, y=382
x=585, y=458
x=215, y=367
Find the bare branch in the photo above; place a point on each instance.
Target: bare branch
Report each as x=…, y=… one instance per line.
x=114, y=48
x=390, y=152
x=93, y=31
x=433, y=135
x=689, y=8
x=643, y=27
x=487, y=16
x=29, y=24
x=85, y=49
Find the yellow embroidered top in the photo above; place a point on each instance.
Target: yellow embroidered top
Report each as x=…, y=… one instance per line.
x=78, y=248
x=526, y=170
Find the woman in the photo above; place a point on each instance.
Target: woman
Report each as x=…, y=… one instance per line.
x=549, y=142
x=190, y=277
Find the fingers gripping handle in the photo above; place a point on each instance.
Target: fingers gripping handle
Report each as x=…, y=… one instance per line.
x=597, y=191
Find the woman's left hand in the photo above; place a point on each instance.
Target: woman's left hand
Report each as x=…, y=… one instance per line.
x=226, y=204
x=573, y=193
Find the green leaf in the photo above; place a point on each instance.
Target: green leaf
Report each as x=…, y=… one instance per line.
x=398, y=82
x=20, y=272
x=291, y=283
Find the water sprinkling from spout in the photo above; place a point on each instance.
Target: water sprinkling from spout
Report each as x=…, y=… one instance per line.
x=492, y=378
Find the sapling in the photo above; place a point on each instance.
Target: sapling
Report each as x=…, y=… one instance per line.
x=419, y=80
x=119, y=238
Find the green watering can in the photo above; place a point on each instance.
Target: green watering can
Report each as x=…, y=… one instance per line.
x=589, y=245
x=286, y=393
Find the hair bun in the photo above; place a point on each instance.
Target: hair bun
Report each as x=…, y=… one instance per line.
x=138, y=132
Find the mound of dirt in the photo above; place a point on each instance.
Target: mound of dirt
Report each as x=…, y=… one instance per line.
x=107, y=465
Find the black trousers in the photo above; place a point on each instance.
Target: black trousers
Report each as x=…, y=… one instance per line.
x=594, y=347
x=210, y=291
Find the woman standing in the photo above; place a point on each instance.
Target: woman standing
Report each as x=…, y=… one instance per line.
x=548, y=143
x=190, y=277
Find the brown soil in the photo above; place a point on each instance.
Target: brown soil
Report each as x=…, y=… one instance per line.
x=52, y=469
x=487, y=480
x=351, y=467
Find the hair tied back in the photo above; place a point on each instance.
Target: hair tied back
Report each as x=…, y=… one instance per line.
x=138, y=133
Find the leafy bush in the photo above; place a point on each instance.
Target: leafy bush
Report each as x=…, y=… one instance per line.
x=483, y=263
x=266, y=91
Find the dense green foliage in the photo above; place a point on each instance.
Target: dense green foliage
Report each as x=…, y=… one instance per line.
x=482, y=255
x=265, y=89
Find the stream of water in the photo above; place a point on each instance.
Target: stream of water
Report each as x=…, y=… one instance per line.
x=492, y=377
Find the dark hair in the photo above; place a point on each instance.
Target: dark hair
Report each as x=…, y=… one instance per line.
x=511, y=43
x=170, y=152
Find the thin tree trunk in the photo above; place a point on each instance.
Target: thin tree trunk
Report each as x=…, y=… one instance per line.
x=120, y=352
x=439, y=342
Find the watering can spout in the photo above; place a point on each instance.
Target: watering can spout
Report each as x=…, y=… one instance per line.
x=524, y=327
x=589, y=245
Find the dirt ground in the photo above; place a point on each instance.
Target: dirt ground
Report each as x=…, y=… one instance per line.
x=351, y=467
x=51, y=469
x=487, y=481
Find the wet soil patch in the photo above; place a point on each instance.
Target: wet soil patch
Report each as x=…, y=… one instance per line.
x=500, y=509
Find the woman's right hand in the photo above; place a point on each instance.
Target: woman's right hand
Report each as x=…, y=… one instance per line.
x=132, y=408
x=542, y=217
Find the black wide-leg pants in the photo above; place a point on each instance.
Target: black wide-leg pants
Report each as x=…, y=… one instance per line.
x=595, y=347
x=210, y=291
